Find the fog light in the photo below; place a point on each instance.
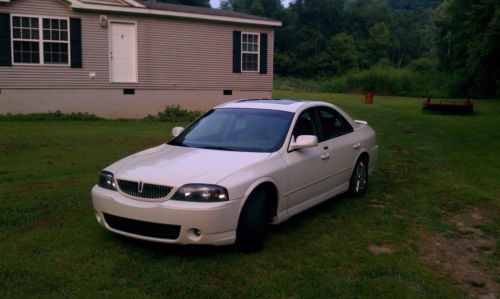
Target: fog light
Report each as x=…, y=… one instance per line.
x=98, y=217
x=194, y=234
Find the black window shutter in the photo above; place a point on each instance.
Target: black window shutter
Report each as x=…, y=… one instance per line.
x=236, y=51
x=263, y=53
x=5, y=49
x=76, y=42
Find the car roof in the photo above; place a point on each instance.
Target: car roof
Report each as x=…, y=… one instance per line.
x=289, y=105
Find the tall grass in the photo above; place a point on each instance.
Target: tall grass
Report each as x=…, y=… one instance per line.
x=382, y=81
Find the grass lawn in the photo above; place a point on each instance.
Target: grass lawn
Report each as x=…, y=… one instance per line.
x=434, y=172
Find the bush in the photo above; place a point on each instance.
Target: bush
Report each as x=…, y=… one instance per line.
x=383, y=81
x=58, y=115
x=423, y=65
x=174, y=113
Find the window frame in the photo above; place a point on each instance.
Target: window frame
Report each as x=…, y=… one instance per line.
x=322, y=129
x=250, y=52
x=40, y=40
x=316, y=120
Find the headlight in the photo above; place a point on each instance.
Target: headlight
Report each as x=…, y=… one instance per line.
x=201, y=193
x=107, y=180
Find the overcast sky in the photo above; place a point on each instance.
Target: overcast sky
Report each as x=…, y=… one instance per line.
x=216, y=3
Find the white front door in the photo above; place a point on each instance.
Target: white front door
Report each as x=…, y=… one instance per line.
x=123, y=52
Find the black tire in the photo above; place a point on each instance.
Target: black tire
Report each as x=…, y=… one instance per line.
x=252, y=223
x=359, y=178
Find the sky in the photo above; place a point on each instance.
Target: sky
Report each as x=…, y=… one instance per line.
x=216, y=3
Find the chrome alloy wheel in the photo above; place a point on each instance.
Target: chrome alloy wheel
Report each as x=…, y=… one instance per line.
x=360, y=177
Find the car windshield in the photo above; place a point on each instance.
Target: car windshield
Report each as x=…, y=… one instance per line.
x=232, y=129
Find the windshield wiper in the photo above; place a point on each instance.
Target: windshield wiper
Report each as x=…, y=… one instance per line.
x=216, y=148
x=177, y=143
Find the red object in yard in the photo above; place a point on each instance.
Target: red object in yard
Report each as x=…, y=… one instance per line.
x=426, y=103
x=369, y=98
x=452, y=107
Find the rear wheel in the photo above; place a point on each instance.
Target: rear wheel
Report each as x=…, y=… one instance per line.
x=359, y=178
x=252, y=223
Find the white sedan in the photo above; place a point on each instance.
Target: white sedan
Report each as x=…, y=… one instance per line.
x=240, y=166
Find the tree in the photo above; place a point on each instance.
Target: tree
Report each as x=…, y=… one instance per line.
x=379, y=43
x=469, y=32
x=264, y=8
x=340, y=56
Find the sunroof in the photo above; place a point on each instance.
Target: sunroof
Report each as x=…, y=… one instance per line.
x=272, y=101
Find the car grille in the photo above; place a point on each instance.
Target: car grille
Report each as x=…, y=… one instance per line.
x=149, y=191
x=143, y=228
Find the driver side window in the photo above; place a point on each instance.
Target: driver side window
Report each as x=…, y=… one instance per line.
x=306, y=124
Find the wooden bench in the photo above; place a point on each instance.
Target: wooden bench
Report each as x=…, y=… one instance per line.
x=449, y=106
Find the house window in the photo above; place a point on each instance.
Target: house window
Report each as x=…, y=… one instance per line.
x=250, y=52
x=40, y=40
x=55, y=37
x=25, y=39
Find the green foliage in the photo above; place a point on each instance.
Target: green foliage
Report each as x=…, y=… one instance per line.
x=264, y=8
x=381, y=81
x=468, y=42
x=340, y=56
x=174, y=113
x=424, y=65
x=330, y=38
x=49, y=116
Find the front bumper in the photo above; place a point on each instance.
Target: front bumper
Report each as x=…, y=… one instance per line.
x=216, y=222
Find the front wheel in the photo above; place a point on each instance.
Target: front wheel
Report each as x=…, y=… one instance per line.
x=252, y=223
x=359, y=178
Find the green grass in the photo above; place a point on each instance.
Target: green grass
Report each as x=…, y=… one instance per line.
x=430, y=167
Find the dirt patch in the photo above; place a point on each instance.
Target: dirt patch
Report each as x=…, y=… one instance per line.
x=413, y=131
x=381, y=203
x=400, y=151
x=379, y=249
x=376, y=204
x=464, y=254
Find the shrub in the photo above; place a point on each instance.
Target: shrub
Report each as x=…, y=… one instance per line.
x=423, y=65
x=50, y=116
x=174, y=113
x=383, y=81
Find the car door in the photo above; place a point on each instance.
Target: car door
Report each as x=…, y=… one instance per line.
x=307, y=169
x=341, y=142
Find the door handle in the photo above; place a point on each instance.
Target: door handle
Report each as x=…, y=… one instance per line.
x=325, y=156
x=357, y=145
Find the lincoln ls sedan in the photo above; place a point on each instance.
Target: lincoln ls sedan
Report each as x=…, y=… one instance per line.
x=239, y=167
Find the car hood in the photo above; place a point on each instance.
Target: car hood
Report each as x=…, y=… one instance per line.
x=176, y=166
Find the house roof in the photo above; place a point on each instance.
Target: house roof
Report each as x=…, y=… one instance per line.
x=171, y=10
x=200, y=10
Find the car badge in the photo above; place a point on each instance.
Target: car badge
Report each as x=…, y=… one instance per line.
x=140, y=187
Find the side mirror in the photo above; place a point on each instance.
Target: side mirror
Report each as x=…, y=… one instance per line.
x=177, y=131
x=304, y=141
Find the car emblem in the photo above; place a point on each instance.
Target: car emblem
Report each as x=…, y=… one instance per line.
x=141, y=185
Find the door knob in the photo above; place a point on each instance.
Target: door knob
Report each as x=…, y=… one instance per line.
x=325, y=156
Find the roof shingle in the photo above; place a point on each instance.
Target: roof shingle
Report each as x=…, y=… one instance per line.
x=200, y=10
